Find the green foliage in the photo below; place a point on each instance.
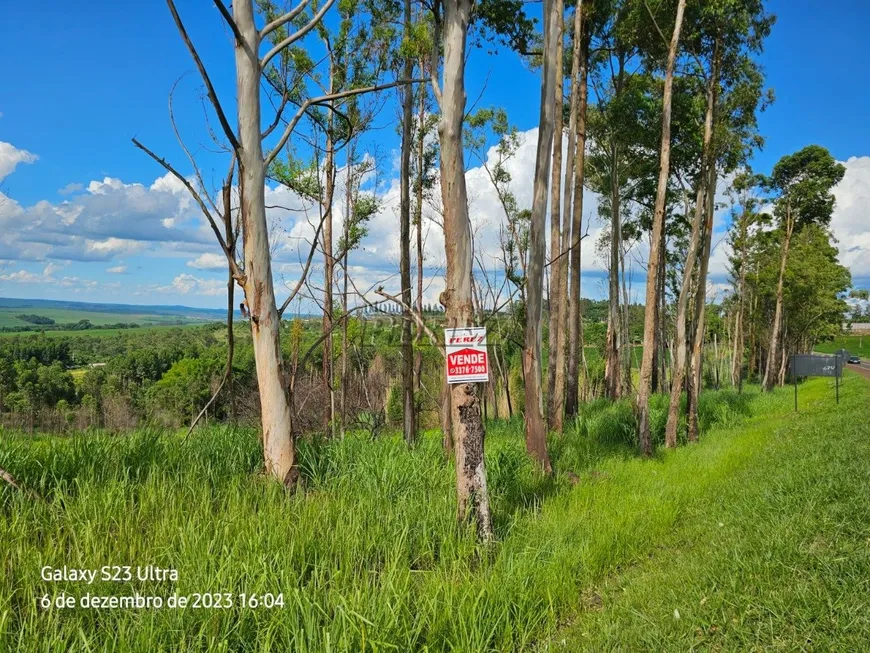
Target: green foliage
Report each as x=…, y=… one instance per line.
x=185, y=387
x=801, y=184
x=395, y=405
x=35, y=319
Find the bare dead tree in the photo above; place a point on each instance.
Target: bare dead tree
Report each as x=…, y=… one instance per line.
x=253, y=273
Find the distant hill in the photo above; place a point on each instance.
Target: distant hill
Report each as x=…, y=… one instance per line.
x=20, y=313
x=91, y=307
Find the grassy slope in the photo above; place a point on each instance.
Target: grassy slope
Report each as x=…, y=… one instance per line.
x=7, y=316
x=371, y=557
x=775, y=557
x=855, y=345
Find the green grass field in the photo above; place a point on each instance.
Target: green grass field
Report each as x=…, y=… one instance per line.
x=64, y=316
x=855, y=345
x=95, y=333
x=755, y=539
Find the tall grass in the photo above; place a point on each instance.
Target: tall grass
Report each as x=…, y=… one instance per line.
x=367, y=554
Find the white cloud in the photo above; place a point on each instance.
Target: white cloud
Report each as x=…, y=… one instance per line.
x=71, y=188
x=118, y=269
x=24, y=276
x=47, y=277
x=187, y=284
x=208, y=261
x=850, y=222
x=110, y=219
x=11, y=156
x=115, y=246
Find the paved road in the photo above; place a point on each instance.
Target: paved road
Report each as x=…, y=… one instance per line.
x=863, y=368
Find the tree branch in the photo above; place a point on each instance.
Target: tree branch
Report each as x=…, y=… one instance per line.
x=324, y=99
x=305, y=269
x=283, y=20
x=234, y=266
x=196, y=170
x=419, y=322
x=212, y=96
x=434, y=54
x=337, y=323
x=290, y=40
x=196, y=419
x=278, y=114
x=232, y=23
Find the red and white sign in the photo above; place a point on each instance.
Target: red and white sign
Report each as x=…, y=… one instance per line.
x=467, y=361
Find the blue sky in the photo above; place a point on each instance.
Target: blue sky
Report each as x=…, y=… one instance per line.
x=81, y=80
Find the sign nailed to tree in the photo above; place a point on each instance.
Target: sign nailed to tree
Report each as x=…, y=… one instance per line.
x=467, y=361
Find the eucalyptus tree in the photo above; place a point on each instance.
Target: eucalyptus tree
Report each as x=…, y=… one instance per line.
x=745, y=220
x=424, y=169
x=722, y=40
x=536, y=429
x=410, y=53
x=655, y=255
x=582, y=33
x=565, y=254
x=452, y=21
x=801, y=188
x=281, y=35
x=556, y=365
x=812, y=305
x=622, y=131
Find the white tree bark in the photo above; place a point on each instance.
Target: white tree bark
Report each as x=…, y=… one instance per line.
x=278, y=444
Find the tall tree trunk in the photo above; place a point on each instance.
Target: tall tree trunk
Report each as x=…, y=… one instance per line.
x=662, y=318
x=575, y=332
x=681, y=338
x=536, y=432
x=565, y=296
x=467, y=425
x=769, y=371
x=556, y=360
x=409, y=422
x=278, y=441
x=418, y=221
x=737, y=356
x=625, y=342
x=647, y=362
x=230, y=239
x=783, y=357
x=328, y=282
x=345, y=323
x=613, y=365
x=694, y=388
x=231, y=347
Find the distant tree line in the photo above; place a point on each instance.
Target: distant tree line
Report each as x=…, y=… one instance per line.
x=40, y=323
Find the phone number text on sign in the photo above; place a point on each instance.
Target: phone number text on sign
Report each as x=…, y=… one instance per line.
x=467, y=360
